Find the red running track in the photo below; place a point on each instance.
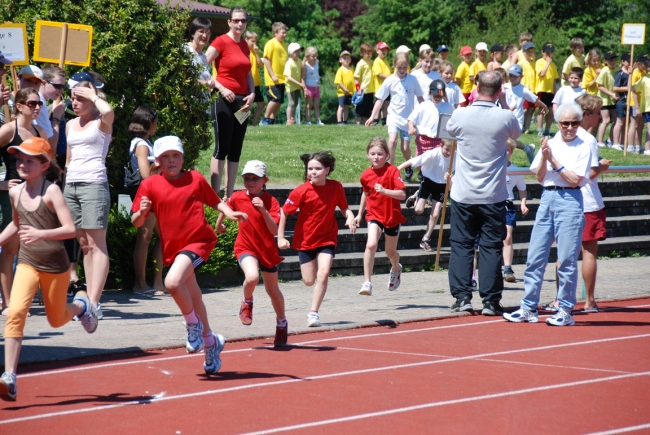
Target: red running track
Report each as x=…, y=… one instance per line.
x=462, y=375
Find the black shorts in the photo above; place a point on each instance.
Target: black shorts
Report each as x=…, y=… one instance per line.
x=311, y=254
x=608, y=107
x=275, y=93
x=259, y=98
x=393, y=231
x=228, y=132
x=345, y=100
x=262, y=268
x=197, y=261
x=364, y=109
x=546, y=98
x=433, y=189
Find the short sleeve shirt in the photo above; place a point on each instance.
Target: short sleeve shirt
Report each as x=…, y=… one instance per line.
x=233, y=64
x=589, y=76
x=546, y=83
x=454, y=95
x=643, y=89
x=425, y=116
x=276, y=52
x=379, y=207
x=574, y=156
x=529, y=78
x=476, y=67
x=567, y=94
x=572, y=62
x=462, y=76
x=606, y=80
x=364, y=74
x=513, y=181
x=292, y=69
x=402, y=94
x=255, y=70
x=432, y=164
x=380, y=66
x=515, y=96
x=344, y=76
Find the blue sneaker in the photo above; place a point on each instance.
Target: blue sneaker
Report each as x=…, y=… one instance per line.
x=522, y=315
x=194, y=337
x=212, y=362
x=563, y=317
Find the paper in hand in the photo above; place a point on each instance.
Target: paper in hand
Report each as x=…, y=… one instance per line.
x=242, y=115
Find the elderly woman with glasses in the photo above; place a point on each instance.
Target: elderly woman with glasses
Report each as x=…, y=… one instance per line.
x=562, y=166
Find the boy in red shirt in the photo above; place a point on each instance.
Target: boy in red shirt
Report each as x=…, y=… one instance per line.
x=177, y=197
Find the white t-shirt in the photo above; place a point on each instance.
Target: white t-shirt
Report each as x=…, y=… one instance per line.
x=425, y=116
x=402, y=96
x=513, y=181
x=200, y=60
x=433, y=165
x=454, y=94
x=574, y=156
x=425, y=80
x=43, y=119
x=136, y=142
x=515, y=97
x=567, y=94
x=312, y=76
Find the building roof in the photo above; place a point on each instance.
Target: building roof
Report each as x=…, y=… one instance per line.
x=202, y=9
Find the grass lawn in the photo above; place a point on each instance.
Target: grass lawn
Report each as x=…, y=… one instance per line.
x=280, y=148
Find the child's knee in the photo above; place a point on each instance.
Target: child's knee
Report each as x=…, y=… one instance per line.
x=251, y=280
x=371, y=245
x=309, y=281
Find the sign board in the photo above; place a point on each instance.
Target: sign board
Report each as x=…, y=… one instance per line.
x=442, y=127
x=633, y=34
x=13, y=43
x=47, y=43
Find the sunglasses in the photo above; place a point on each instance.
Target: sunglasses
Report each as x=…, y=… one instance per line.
x=32, y=104
x=567, y=124
x=237, y=21
x=58, y=86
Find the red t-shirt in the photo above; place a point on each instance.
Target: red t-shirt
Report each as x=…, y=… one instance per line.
x=317, y=225
x=381, y=208
x=254, y=237
x=178, y=206
x=233, y=64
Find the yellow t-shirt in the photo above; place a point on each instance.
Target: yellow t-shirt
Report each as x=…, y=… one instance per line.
x=642, y=87
x=292, y=69
x=588, y=77
x=476, y=67
x=546, y=83
x=636, y=76
x=276, y=52
x=255, y=70
x=523, y=58
x=606, y=80
x=364, y=74
x=506, y=65
x=462, y=77
x=572, y=62
x=529, y=78
x=344, y=76
x=380, y=66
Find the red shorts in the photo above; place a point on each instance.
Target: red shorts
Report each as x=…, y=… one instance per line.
x=313, y=91
x=425, y=143
x=466, y=102
x=528, y=104
x=595, y=226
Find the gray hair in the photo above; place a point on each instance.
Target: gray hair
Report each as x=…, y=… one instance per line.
x=489, y=83
x=574, y=108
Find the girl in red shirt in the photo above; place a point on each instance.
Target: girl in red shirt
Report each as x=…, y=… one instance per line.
x=255, y=247
x=383, y=189
x=316, y=231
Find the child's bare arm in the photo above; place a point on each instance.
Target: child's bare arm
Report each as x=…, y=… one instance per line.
x=604, y=90
x=230, y=213
x=523, y=195
x=282, y=242
x=375, y=113
x=350, y=222
x=268, y=219
x=397, y=194
x=406, y=164
x=140, y=216
x=269, y=68
x=362, y=208
x=344, y=89
x=219, y=226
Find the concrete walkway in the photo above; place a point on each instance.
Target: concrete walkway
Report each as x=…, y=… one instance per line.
x=136, y=322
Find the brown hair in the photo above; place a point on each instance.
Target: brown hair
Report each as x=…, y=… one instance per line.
x=509, y=49
x=365, y=48
x=276, y=27
x=576, y=43
x=325, y=158
x=378, y=142
x=21, y=98
x=237, y=9
x=52, y=71
x=589, y=102
x=526, y=37
x=447, y=143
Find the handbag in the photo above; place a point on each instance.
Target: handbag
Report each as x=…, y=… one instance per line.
x=132, y=177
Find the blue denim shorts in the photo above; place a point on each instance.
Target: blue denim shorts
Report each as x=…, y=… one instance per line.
x=402, y=133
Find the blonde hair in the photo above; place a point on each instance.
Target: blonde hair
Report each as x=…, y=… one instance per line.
x=446, y=64
x=400, y=59
x=526, y=37
x=593, y=53
x=378, y=142
x=276, y=27
x=250, y=35
x=447, y=143
x=308, y=52
x=436, y=64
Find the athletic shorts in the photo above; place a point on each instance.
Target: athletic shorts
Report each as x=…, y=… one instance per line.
x=621, y=108
x=311, y=254
x=403, y=134
x=364, y=109
x=528, y=104
x=275, y=93
x=262, y=268
x=425, y=143
x=433, y=189
x=89, y=204
x=259, y=98
x=345, y=100
x=646, y=116
x=293, y=97
x=393, y=231
x=197, y=261
x=608, y=107
x=511, y=214
x=466, y=102
x=595, y=226
x=546, y=98
x=313, y=91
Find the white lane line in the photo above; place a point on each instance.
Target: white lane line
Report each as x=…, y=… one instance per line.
x=447, y=402
x=622, y=430
x=327, y=376
x=429, y=355
x=148, y=361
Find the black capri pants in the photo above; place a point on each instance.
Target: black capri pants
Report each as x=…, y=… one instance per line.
x=228, y=132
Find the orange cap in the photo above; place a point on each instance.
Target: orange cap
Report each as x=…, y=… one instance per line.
x=34, y=146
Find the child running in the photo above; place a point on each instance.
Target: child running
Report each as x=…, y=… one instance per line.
x=41, y=220
x=255, y=247
x=383, y=189
x=176, y=197
x=316, y=231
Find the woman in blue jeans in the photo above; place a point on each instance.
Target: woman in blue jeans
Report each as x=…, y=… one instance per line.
x=562, y=166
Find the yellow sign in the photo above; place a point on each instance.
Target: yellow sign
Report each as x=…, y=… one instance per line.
x=633, y=34
x=13, y=43
x=47, y=43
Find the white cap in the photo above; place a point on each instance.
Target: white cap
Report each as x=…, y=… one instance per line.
x=481, y=46
x=424, y=47
x=167, y=143
x=255, y=167
x=293, y=47
x=31, y=71
x=403, y=49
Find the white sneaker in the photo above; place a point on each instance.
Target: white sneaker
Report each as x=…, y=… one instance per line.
x=522, y=315
x=637, y=149
x=646, y=153
x=319, y=122
x=212, y=362
x=313, y=320
x=395, y=279
x=89, y=317
x=100, y=313
x=194, y=337
x=366, y=289
x=8, y=389
x=617, y=147
x=563, y=317
x=630, y=149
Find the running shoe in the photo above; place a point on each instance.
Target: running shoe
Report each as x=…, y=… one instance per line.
x=395, y=279
x=319, y=122
x=409, y=173
x=366, y=289
x=492, y=309
x=424, y=244
x=522, y=315
x=194, y=337
x=246, y=312
x=563, y=317
x=281, y=333
x=89, y=317
x=212, y=362
x=618, y=147
x=530, y=152
x=313, y=320
x=462, y=305
x=100, y=313
x=509, y=276
x=8, y=389
x=410, y=201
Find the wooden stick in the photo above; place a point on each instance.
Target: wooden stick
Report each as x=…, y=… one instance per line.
x=629, y=97
x=7, y=112
x=444, y=204
x=64, y=44
x=14, y=79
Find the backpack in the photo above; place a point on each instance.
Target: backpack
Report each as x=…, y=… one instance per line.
x=131, y=178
